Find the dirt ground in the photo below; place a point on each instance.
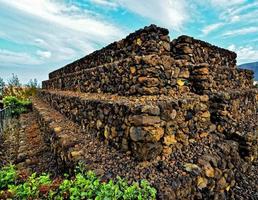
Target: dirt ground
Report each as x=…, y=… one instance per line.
x=23, y=145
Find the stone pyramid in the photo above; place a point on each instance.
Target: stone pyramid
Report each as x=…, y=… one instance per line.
x=182, y=103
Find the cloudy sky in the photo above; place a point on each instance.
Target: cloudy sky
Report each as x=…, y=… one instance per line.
x=39, y=36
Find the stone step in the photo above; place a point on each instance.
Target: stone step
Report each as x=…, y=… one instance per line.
x=143, y=125
x=147, y=63
x=209, y=164
x=138, y=75
x=152, y=75
x=64, y=137
x=149, y=40
x=132, y=122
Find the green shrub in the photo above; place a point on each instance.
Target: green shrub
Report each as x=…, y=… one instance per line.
x=7, y=176
x=30, y=188
x=84, y=185
x=18, y=106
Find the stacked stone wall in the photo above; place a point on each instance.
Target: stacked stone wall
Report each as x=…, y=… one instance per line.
x=145, y=41
x=147, y=63
x=146, y=126
x=205, y=168
x=235, y=115
x=211, y=68
x=204, y=79
x=196, y=51
x=63, y=136
x=138, y=75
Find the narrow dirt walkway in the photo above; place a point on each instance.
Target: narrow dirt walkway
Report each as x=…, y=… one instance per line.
x=9, y=142
x=24, y=146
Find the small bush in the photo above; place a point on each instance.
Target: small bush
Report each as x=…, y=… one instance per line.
x=31, y=188
x=83, y=185
x=7, y=176
x=17, y=106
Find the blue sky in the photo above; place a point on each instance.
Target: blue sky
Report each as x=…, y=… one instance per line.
x=39, y=36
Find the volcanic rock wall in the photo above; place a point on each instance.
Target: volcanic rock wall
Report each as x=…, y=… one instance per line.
x=204, y=80
x=150, y=40
x=146, y=64
x=203, y=167
x=145, y=127
x=196, y=51
x=211, y=68
x=138, y=75
x=146, y=68
x=235, y=115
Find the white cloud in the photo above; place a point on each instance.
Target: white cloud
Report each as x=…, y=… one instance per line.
x=55, y=33
x=232, y=47
x=68, y=16
x=2, y=34
x=16, y=58
x=212, y=27
x=105, y=3
x=59, y=33
x=240, y=9
x=249, y=17
x=40, y=41
x=242, y=31
x=244, y=13
x=44, y=54
x=169, y=13
x=226, y=3
x=234, y=19
x=245, y=53
x=254, y=40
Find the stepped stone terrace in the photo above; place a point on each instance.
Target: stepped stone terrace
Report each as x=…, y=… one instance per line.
x=182, y=107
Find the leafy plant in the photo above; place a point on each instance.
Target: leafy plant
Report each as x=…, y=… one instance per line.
x=7, y=176
x=17, y=106
x=32, y=187
x=84, y=185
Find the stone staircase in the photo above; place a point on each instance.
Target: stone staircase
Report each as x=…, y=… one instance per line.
x=177, y=113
